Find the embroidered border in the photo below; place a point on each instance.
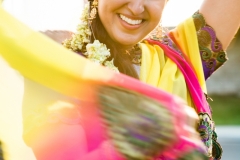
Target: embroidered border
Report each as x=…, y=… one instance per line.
x=206, y=129
x=210, y=47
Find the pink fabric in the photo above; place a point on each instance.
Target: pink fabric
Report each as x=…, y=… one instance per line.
x=88, y=140
x=194, y=87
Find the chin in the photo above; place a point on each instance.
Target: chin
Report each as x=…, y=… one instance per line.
x=128, y=42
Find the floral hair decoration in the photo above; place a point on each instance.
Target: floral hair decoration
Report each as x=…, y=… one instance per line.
x=80, y=42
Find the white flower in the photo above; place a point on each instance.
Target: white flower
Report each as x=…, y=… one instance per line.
x=110, y=65
x=96, y=52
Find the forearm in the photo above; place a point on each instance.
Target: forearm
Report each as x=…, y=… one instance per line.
x=224, y=17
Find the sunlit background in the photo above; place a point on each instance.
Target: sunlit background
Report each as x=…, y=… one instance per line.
x=64, y=14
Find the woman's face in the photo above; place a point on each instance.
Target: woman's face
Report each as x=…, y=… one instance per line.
x=129, y=21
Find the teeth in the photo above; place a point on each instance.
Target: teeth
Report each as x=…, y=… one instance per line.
x=130, y=21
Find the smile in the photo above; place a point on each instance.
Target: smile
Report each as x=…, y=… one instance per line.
x=130, y=21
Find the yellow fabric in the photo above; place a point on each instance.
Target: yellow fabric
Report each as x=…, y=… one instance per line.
x=186, y=37
x=46, y=63
x=41, y=58
x=159, y=71
x=11, y=126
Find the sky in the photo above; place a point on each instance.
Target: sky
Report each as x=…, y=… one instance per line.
x=64, y=14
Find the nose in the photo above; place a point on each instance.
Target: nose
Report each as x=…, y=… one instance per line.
x=136, y=6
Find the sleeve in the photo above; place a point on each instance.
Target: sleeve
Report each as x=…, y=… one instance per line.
x=56, y=126
x=199, y=45
x=211, y=52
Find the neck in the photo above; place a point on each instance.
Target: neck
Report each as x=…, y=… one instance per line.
x=123, y=47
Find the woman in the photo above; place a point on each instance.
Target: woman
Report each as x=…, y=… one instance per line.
x=178, y=62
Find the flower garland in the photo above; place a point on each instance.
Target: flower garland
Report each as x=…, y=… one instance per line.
x=80, y=42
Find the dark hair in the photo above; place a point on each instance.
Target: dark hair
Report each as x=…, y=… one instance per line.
x=121, y=60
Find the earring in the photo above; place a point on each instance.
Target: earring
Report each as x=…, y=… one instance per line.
x=93, y=12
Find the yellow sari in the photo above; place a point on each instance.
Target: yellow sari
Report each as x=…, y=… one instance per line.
x=160, y=71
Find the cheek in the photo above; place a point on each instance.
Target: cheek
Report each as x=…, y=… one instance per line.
x=155, y=21
x=110, y=6
x=105, y=11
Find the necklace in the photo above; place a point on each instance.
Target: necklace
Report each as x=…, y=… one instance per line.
x=135, y=54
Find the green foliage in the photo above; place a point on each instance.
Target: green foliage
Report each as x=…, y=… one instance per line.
x=226, y=110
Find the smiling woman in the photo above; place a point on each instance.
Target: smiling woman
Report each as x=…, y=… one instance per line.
x=149, y=114
x=128, y=25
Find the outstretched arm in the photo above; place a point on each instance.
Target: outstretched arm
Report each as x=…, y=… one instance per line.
x=224, y=17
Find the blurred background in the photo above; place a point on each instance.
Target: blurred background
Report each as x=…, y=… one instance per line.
x=223, y=86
